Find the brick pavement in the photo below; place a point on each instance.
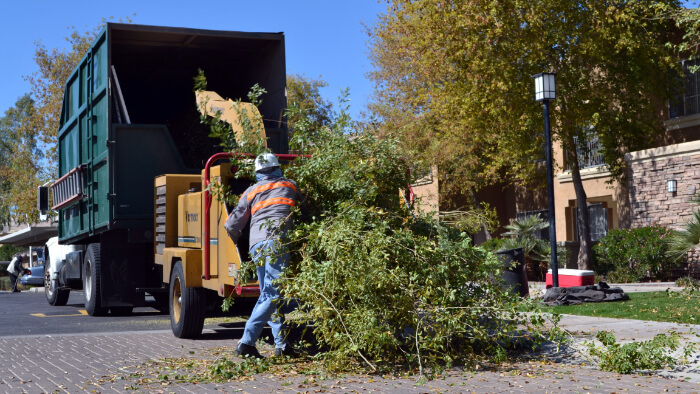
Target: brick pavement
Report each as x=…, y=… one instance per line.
x=90, y=363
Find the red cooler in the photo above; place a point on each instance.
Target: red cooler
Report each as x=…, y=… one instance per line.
x=570, y=278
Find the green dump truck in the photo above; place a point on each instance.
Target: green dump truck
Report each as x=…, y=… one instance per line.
x=129, y=115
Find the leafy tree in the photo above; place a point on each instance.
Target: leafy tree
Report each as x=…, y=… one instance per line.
x=453, y=83
x=7, y=251
x=688, y=21
x=376, y=283
x=18, y=146
x=307, y=108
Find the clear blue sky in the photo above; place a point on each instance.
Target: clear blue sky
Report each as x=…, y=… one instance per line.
x=324, y=38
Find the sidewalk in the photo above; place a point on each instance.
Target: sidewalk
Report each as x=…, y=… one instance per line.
x=627, y=287
x=627, y=330
x=115, y=363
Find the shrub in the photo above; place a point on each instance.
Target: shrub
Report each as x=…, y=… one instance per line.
x=5, y=283
x=688, y=282
x=7, y=251
x=493, y=244
x=524, y=234
x=630, y=255
x=687, y=239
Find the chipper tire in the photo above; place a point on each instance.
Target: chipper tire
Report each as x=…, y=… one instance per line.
x=186, y=305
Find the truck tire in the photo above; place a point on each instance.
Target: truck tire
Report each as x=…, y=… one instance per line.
x=186, y=305
x=91, y=281
x=54, y=294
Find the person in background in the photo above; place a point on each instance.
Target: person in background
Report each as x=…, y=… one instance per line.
x=267, y=205
x=14, y=269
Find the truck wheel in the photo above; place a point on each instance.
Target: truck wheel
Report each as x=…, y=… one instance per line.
x=91, y=281
x=186, y=306
x=54, y=295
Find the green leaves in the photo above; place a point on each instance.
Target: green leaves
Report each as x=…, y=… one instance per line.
x=525, y=233
x=18, y=150
x=682, y=241
x=377, y=283
x=307, y=110
x=629, y=255
x=245, y=134
x=454, y=82
x=636, y=356
x=223, y=368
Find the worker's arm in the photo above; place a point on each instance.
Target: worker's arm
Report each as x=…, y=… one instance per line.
x=237, y=220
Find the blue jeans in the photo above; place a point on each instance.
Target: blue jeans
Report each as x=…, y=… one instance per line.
x=266, y=309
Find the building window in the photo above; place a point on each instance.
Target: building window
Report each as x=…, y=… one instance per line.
x=589, y=153
x=598, y=221
x=687, y=102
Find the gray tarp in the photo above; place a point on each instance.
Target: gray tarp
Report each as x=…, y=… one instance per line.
x=578, y=294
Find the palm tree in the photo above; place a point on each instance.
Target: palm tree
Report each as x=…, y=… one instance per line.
x=523, y=234
x=683, y=241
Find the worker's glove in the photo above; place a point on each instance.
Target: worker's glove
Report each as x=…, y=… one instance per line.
x=234, y=234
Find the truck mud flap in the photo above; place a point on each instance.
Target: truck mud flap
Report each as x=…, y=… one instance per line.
x=124, y=268
x=71, y=272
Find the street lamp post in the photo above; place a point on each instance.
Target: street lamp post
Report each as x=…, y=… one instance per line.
x=545, y=90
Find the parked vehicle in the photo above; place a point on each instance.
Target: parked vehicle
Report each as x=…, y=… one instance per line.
x=33, y=276
x=128, y=117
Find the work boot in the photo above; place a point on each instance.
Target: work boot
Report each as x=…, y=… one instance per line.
x=288, y=351
x=243, y=350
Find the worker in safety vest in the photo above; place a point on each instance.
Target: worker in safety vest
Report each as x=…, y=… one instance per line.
x=268, y=205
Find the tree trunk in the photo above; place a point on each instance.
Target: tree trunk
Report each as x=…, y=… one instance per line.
x=585, y=252
x=487, y=233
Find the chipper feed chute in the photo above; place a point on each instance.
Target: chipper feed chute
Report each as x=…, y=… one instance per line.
x=243, y=117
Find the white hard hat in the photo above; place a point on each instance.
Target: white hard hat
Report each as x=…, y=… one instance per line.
x=266, y=160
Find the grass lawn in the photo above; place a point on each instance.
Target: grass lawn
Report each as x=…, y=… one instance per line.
x=654, y=306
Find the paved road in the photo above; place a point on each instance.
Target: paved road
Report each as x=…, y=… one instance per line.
x=28, y=313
